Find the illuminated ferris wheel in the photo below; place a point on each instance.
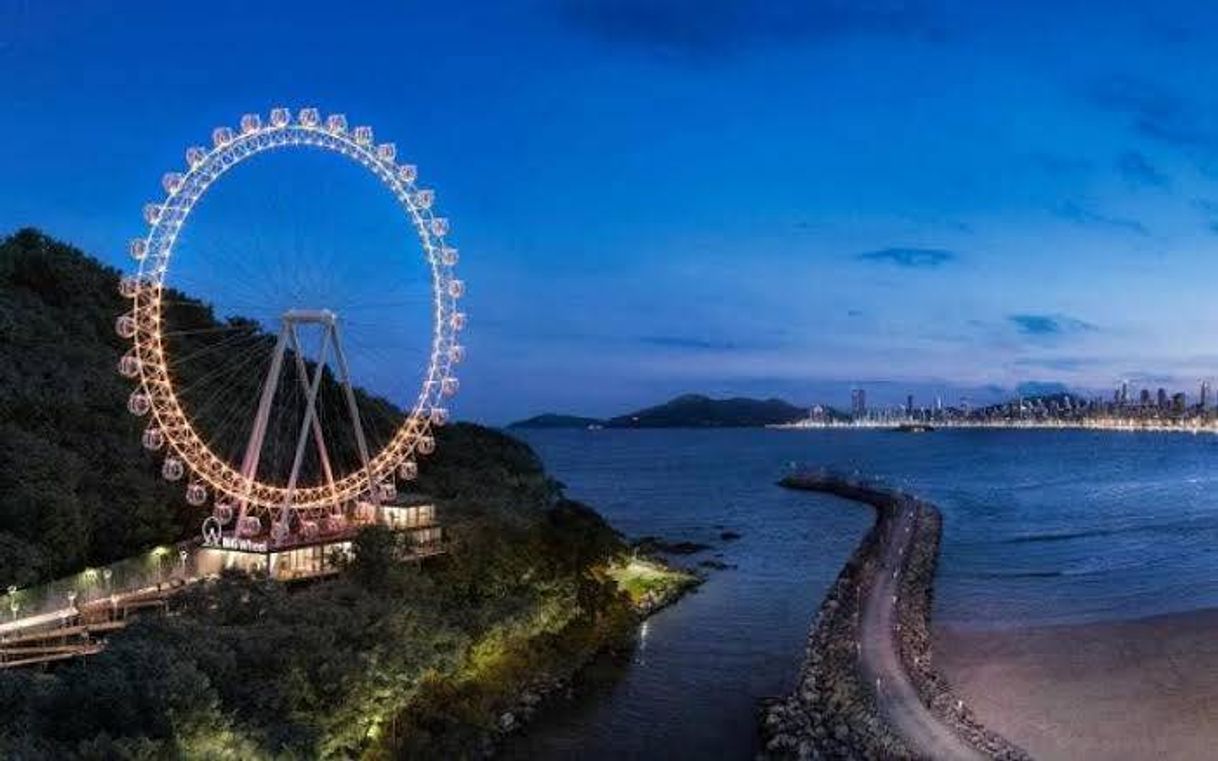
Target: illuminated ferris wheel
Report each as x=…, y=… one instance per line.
x=316, y=487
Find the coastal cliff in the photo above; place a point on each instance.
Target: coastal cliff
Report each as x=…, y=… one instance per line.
x=845, y=705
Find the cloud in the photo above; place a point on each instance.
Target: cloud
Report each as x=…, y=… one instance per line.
x=1153, y=111
x=1206, y=205
x=1049, y=325
x=715, y=28
x=1083, y=216
x=1210, y=209
x=1139, y=172
x=1064, y=364
x=913, y=258
x=681, y=342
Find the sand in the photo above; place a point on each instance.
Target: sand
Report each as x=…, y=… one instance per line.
x=1145, y=689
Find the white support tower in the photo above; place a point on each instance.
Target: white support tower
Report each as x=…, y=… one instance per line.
x=289, y=339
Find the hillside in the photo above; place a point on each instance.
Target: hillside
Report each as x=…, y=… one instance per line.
x=697, y=411
x=552, y=420
x=76, y=487
x=386, y=660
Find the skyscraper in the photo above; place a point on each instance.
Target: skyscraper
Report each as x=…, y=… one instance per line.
x=909, y=405
x=1204, y=402
x=1162, y=398
x=858, y=403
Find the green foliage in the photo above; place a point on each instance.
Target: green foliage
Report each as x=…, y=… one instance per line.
x=246, y=669
x=387, y=659
x=376, y=552
x=76, y=488
x=390, y=656
x=645, y=579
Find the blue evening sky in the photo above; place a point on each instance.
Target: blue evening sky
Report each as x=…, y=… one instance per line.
x=660, y=196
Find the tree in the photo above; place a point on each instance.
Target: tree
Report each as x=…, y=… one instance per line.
x=375, y=554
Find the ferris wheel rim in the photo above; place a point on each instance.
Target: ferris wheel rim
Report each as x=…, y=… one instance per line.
x=206, y=167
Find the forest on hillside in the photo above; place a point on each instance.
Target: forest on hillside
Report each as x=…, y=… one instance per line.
x=76, y=487
x=387, y=659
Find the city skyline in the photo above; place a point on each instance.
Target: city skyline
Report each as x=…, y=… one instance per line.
x=1121, y=395
x=656, y=198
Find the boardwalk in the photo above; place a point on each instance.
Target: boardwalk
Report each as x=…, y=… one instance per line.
x=76, y=631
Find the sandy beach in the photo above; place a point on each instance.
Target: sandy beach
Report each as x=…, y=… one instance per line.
x=1125, y=690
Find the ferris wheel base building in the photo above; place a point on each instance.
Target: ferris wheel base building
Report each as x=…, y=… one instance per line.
x=413, y=517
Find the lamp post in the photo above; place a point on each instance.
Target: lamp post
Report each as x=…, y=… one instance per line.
x=13, y=605
x=90, y=575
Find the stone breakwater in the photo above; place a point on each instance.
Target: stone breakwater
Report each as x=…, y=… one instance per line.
x=834, y=711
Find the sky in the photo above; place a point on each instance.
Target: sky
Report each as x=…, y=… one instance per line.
x=654, y=197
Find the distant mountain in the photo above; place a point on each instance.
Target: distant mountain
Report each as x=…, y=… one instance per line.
x=697, y=411
x=551, y=420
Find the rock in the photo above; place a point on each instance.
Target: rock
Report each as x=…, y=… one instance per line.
x=651, y=544
x=832, y=714
x=729, y=536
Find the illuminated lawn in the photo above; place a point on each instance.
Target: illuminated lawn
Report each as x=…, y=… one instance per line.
x=648, y=581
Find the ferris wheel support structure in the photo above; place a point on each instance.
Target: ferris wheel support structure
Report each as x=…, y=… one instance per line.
x=310, y=426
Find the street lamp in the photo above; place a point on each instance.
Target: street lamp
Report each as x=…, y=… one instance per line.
x=13, y=605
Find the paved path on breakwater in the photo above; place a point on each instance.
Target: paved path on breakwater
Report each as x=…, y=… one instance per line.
x=880, y=659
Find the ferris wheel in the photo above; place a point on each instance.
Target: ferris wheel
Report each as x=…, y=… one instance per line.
x=316, y=493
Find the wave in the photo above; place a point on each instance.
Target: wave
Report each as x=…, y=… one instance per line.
x=1095, y=566
x=1065, y=536
x=1146, y=528
x=1019, y=574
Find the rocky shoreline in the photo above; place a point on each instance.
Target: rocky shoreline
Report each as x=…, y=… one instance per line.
x=538, y=694
x=833, y=712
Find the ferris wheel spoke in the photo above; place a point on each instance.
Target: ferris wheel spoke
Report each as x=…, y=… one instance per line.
x=223, y=347
x=225, y=369
x=204, y=402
